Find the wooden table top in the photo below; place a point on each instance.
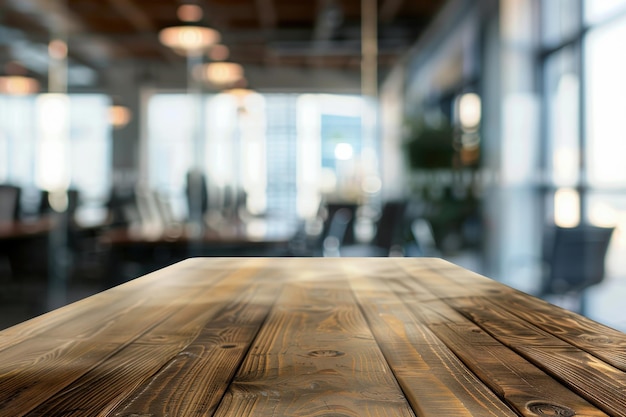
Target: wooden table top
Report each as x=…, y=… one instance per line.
x=312, y=337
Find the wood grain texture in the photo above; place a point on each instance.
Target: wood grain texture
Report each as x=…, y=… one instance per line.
x=53, y=360
x=311, y=337
x=315, y=356
x=599, y=382
x=161, y=346
x=606, y=343
x=501, y=312
x=434, y=380
x=521, y=383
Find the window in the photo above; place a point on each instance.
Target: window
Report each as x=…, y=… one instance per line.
x=560, y=20
x=34, y=153
x=605, y=101
x=273, y=146
x=582, y=59
x=17, y=140
x=598, y=10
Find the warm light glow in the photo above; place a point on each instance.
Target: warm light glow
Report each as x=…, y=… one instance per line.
x=189, y=12
x=18, y=85
x=566, y=207
x=239, y=93
x=219, y=52
x=57, y=49
x=189, y=39
x=220, y=74
x=343, y=151
x=119, y=116
x=469, y=111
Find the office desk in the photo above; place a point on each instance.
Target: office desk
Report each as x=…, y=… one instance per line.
x=26, y=229
x=147, y=252
x=312, y=337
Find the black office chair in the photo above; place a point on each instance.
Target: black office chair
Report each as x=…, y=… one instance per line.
x=328, y=213
x=388, y=233
x=574, y=258
x=336, y=232
x=9, y=202
x=9, y=212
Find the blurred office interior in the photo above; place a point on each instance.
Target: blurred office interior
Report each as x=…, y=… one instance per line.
x=469, y=130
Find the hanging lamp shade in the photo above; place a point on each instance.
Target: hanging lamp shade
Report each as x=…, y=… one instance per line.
x=18, y=85
x=189, y=39
x=219, y=74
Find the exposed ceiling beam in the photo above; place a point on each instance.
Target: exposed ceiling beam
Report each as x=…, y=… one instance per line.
x=135, y=16
x=266, y=11
x=141, y=22
x=389, y=10
x=329, y=18
x=37, y=20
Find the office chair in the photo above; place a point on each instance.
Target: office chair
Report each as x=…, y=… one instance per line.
x=9, y=202
x=336, y=232
x=388, y=231
x=575, y=260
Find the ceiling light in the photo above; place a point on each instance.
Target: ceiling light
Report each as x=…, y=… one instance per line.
x=18, y=85
x=119, y=116
x=189, y=39
x=469, y=111
x=57, y=49
x=189, y=12
x=219, y=74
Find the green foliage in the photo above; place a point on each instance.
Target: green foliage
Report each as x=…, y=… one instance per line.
x=429, y=147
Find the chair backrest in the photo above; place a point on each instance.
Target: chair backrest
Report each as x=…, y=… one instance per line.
x=9, y=202
x=390, y=223
x=336, y=232
x=197, y=194
x=348, y=208
x=576, y=258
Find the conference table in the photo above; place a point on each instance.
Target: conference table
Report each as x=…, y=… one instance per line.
x=312, y=337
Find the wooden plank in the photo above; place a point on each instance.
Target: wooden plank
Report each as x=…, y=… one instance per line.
x=50, y=364
x=525, y=387
x=194, y=381
x=217, y=336
x=184, y=348
x=314, y=356
x=587, y=375
x=434, y=380
x=599, y=340
x=564, y=357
